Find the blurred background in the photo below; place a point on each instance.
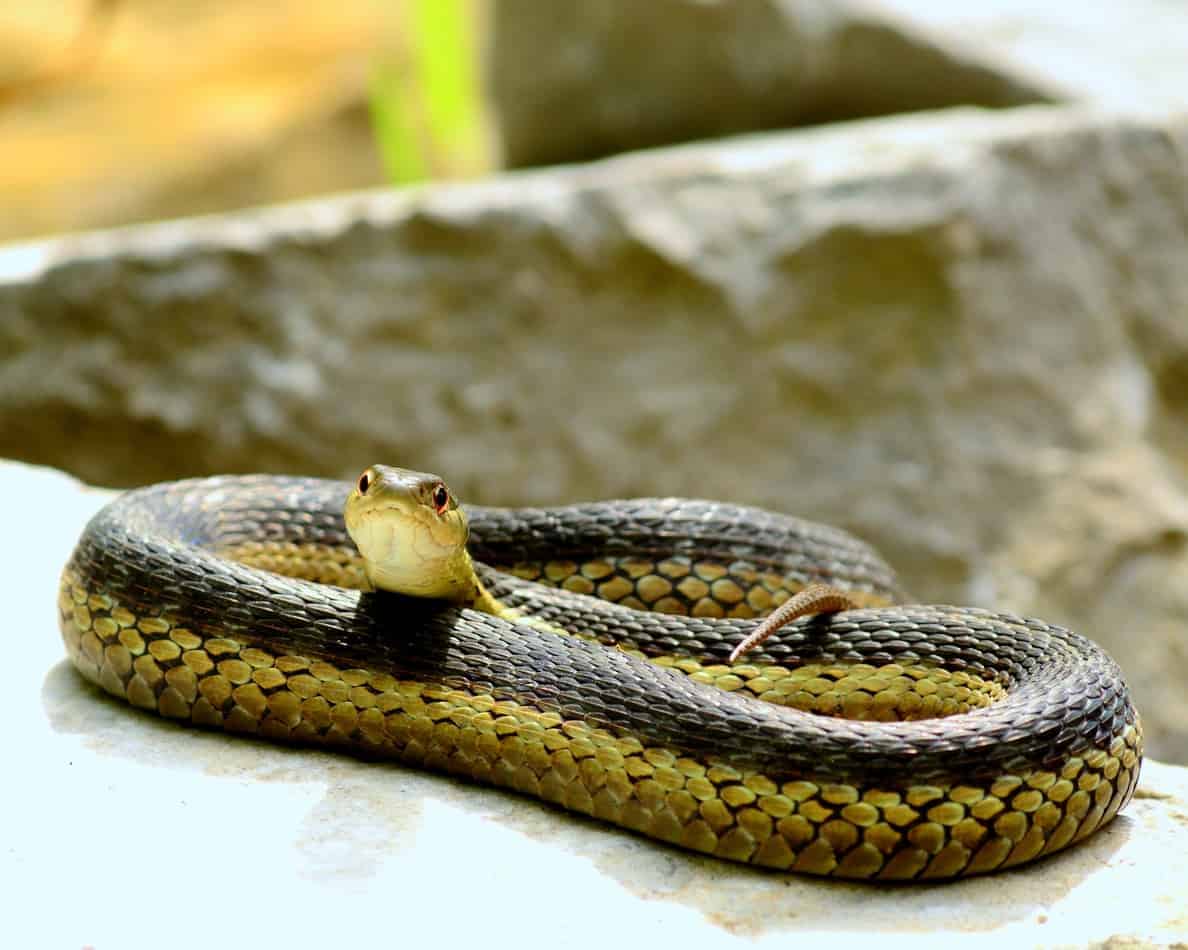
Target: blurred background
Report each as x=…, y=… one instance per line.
x=913, y=269
x=115, y=111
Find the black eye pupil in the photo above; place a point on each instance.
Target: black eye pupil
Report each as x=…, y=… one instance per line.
x=364, y=483
x=440, y=497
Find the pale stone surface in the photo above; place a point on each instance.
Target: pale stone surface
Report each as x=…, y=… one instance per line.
x=611, y=75
x=1121, y=54
x=937, y=331
x=126, y=830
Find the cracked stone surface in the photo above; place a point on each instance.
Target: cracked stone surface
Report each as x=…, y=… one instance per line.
x=959, y=335
x=222, y=835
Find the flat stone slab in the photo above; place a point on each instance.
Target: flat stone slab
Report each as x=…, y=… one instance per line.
x=125, y=830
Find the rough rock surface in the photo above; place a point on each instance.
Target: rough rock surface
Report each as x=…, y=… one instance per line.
x=612, y=75
x=959, y=336
x=292, y=847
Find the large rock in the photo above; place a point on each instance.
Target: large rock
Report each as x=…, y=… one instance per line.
x=958, y=336
x=611, y=75
x=144, y=833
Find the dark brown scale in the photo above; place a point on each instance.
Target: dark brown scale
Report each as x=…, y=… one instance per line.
x=659, y=528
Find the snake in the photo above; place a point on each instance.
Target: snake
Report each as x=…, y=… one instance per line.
x=588, y=655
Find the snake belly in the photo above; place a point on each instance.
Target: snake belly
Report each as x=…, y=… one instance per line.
x=895, y=742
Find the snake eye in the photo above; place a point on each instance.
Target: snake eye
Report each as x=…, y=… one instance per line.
x=441, y=498
x=364, y=483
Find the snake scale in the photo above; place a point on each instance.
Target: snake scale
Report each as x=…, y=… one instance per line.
x=892, y=741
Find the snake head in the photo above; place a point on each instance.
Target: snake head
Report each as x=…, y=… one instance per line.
x=411, y=533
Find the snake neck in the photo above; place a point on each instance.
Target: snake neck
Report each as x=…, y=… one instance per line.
x=471, y=591
x=482, y=599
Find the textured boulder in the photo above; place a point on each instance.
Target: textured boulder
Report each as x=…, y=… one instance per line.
x=958, y=335
x=290, y=847
x=613, y=75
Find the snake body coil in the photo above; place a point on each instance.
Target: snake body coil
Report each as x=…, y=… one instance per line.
x=888, y=742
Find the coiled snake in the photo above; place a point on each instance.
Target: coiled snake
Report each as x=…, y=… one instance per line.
x=881, y=742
